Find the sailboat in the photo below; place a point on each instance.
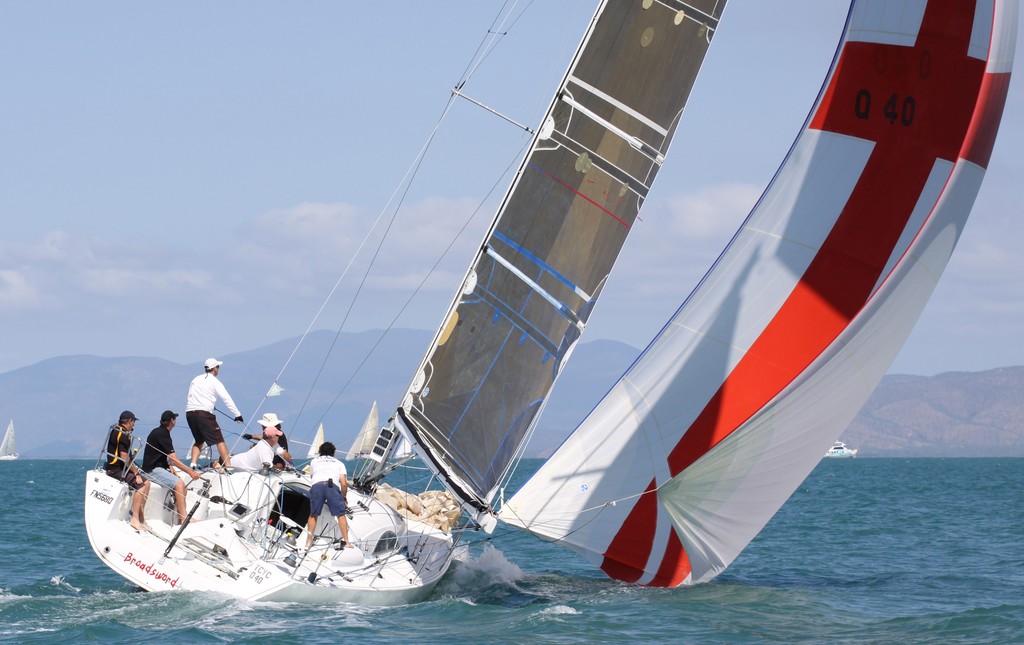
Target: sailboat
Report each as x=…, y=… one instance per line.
x=727, y=410
x=517, y=315
x=318, y=440
x=362, y=445
x=8, y=452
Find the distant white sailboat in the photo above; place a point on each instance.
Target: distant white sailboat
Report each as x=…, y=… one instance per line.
x=7, y=450
x=314, y=448
x=362, y=447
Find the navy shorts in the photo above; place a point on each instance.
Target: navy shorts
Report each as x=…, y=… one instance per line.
x=320, y=493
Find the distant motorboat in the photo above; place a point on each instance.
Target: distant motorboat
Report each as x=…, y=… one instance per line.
x=839, y=449
x=7, y=450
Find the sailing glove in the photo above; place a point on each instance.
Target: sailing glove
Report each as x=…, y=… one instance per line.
x=238, y=418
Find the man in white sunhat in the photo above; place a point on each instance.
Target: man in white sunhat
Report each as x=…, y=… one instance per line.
x=203, y=393
x=264, y=451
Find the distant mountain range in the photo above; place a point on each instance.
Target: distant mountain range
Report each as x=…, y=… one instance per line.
x=62, y=406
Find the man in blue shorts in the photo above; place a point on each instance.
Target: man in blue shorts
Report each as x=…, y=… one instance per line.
x=325, y=470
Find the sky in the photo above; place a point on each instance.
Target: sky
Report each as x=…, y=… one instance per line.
x=184, y=180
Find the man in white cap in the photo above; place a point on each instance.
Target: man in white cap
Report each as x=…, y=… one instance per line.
x=203, y=393
x=264, y=451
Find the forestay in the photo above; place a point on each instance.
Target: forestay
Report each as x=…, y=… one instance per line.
x=529, y=292
x=763, y=367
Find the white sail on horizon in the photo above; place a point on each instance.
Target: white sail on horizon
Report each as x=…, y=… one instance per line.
x=8, y=450
x=364, y=441
x=314, y=448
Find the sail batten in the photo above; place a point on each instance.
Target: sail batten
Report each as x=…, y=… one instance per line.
x=535, y=282
x=770, y=358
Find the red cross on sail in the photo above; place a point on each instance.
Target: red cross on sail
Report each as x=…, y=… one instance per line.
x=916, y=105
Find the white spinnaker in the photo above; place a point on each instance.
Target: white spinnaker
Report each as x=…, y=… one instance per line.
x=588, y=490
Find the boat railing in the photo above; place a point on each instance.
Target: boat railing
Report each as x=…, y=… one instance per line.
x=106, y=457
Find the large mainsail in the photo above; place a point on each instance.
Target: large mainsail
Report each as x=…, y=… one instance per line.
x=736, y=400
x=530, y=291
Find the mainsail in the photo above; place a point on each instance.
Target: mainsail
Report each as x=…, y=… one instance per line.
x=766, y=363
x=528, y=294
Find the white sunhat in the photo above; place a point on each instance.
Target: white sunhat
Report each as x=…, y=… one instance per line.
x=212, y=363
x=270, y=420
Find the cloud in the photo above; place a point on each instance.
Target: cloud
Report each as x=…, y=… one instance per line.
x=713, y=212
x=62, y=271
x=16, y=292
x=680, y=237
x=141, y=282
x=308, y=246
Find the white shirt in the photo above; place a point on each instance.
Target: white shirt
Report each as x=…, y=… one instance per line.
x=254, y=458
x=203, y=393
x=325, y=468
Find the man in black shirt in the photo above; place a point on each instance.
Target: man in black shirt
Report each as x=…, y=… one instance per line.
x=121, y=466
x=159, y=461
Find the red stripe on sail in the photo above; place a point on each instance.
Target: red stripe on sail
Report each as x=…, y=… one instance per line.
x=981, y=137
x=629, y=551
x=916, y=104
x=577, y=191
x=675, y=566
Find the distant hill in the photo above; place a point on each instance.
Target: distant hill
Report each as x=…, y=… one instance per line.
x=965, y=414
x=62, y=406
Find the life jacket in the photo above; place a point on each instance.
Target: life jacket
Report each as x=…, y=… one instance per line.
x=112, y=445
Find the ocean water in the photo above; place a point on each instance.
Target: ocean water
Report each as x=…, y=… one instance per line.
x=866, y=551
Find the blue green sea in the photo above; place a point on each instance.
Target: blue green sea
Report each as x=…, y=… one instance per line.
x=866, y=551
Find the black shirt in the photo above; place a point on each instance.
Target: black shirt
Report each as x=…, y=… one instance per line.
x=158, y=446
x=283, y=442
x=120, y=440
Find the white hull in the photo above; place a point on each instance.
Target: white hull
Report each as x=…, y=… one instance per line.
x=8, y=457
x=840, y=450
x=232, y=549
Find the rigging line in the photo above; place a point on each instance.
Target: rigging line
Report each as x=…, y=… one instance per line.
x=369, y=267
x=595, y=512
x=406, y=181
x=423, y=281
x=418, y=160
x=489, y=42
